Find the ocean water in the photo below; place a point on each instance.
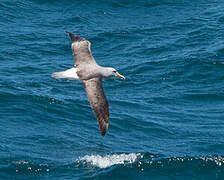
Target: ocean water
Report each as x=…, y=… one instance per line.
x=166, y=118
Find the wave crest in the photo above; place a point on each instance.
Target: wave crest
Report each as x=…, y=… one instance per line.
x=109, y=160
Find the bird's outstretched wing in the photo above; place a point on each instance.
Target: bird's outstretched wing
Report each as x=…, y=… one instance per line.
x=81, y=50
x=98, y=102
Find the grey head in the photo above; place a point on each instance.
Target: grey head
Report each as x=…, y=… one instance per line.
x=109, y=71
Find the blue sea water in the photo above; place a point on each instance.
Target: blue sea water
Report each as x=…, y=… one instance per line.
x=166, y=118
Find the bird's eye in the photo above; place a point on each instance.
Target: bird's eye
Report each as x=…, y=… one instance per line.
x=114, y=71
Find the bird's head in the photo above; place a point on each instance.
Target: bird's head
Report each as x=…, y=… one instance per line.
x=113, y=72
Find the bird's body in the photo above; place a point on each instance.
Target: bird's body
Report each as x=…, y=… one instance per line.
x=90, y=73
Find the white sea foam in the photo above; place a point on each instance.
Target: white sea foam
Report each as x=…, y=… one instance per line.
x=108, y=160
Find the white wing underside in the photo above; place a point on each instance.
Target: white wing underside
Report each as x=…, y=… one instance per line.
x=70, y=74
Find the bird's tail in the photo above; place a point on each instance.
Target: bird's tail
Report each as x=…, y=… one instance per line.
x=68, y=74
x=58, y=75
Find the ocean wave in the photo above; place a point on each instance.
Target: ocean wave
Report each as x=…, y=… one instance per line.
x=146, y=159
x=89, y=166
x=109, y=160
x=141, y=165
x=154, y=166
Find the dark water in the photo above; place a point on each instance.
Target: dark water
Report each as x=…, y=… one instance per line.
x=167, y=117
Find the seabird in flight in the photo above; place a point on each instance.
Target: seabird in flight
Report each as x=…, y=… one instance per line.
x=91, y=74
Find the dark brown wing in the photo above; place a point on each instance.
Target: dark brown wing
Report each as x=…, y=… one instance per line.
x=81, y=50
x=98, y=102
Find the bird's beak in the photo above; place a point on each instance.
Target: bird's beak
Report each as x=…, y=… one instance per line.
x=119, y=76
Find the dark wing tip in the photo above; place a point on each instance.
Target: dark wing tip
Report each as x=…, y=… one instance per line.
x=102, y=116
x=103, y=128
x=74, y=37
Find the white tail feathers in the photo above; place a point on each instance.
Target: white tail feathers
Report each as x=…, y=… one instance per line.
x=68, y=74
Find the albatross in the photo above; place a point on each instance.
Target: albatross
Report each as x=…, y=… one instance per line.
x=91, y=74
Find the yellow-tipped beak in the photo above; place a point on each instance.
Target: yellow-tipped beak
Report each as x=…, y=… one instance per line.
x=119, y=76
